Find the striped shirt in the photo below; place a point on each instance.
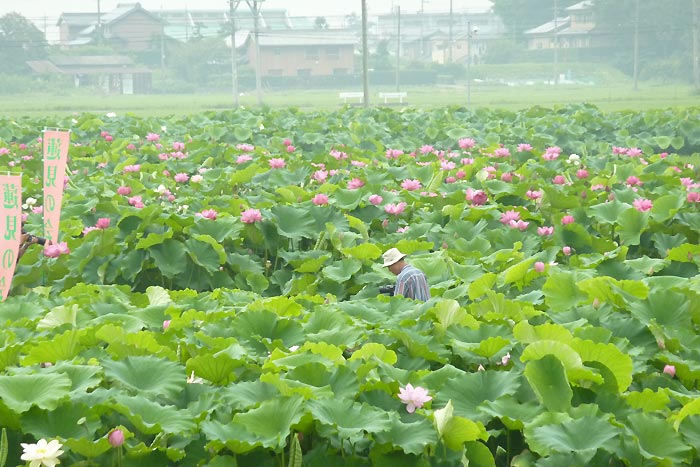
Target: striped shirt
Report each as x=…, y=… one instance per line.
x=412, y=283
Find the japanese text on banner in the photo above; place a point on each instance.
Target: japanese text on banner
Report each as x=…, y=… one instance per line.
x=55, y=156
x=10, y=228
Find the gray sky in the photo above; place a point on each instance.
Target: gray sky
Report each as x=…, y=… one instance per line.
x=45, y=13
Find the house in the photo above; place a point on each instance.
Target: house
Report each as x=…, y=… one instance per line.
x=311, y=52
x=129, y=26
x=114, y=74
x=571, y=31
x=427, y=36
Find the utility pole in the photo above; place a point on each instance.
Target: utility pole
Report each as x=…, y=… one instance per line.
x=696, y=45
x=365, y=55
x=255, y=6
x=449, y=57
x=398, y=46
x=98, y=31
x=469, y=61
x=556, y=43
x=232, y=7
x=635, y=72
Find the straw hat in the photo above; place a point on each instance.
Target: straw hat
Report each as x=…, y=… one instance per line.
x=392, y=256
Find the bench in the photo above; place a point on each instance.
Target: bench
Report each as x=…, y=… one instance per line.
x=387, y=96
x=352, y=95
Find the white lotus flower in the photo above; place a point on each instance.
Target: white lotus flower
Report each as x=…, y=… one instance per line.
x=42, y=453
x=111, y=115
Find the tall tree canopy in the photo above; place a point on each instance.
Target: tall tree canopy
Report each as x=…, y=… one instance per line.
x=20, y=41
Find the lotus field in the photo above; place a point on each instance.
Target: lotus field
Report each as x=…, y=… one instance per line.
x=213, y=300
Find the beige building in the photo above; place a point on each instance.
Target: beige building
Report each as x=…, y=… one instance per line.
x=571, y=31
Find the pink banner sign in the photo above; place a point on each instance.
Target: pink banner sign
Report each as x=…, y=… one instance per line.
x=10, y=228
x=55, y=156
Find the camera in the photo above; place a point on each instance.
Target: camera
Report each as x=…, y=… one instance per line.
x=34, y=239
x=386, y=290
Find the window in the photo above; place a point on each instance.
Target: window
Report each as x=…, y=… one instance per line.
x=303, y=72
x=277, y=51
x=311, y=53
x=333, y=53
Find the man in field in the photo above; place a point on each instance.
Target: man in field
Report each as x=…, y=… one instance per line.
x=410, y=281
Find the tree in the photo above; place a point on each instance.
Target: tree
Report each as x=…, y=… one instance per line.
x=20, y=41
x=320, y=23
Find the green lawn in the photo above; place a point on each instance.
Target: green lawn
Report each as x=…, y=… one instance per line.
x=608, y=98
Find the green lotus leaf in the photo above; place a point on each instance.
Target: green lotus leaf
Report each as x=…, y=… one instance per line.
x=153, y=418
x=86, y=447
x=242, y=176
x=60, y=348
x=650, y=401
x=350, y=420
x=281, y=306
x=449, y=313
x=219, y=369
x=684, y=253
x=459, y=431
x=610, y=290
x=619, y=363
x=690, y=430
x=689, y=409
x=664, y=307
x=566, y=354
x=363, y=252
x=272, y=421
x=220, y=230
x=516, y=273
x=169, y=257
x=20, y=392
x=527, y=333
x=313, y=265
x=255, y=325
x=481, y=285
x=374, y=350
x=147, y=375
x=657, y=439
x=665, y=207
x=9, y=356
x=359, y=225
x=83, y=377
x=16, y=308
x=293, y=222
x=609, y=212
x=343, y=270
x=68, y=420
x=513, y=413
x=206, y=252
x=561, y=291
x=332, y=327
x=586, y=434
x=547, y=377
x=155, y=239
x=247, y=394
x=471, y=390
x=479, y=454
x=158, y=296
x=58, y=316
x=631, y=224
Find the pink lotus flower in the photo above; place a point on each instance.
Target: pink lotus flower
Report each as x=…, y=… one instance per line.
x=152, y=137
x=619, y=150
x=54, y=250
x=136, y=202
x=545, y=231
x=426, y=149
x=103, y=222
x=533, y=194
x=568, y=219
x=524, y=147
x=467, y=161
x=338, y=155
x=519, y=224
x=291, y=148
x=109, y=138
x=277, y=163
x=634, y=152
x=477, y=197
x=411, y=185
x=320, y=175
x=132, y=168
x=355, y=183
x=633, y=181
x=320, y=199
x=414, y=398
x=250, y=216
x=507, y=177
x=559, y=180
x=178, y=146
x=551, y=154
x=582, y=174
x=395, y=209
x=460, y=174
x=166, y=324
x=245, y=147
x=181, y=177
x=466, y=143
x=509, y=216
x=243, y=158
x=375, y=199
x=693, y=197
x=402, y=229
x=447, y=165
x=124, y=190
x=566, y=250
x=670, y=370
x=501, y=152
x=642, y=204
x=116, y=438
x=208, y=214
x=393, y=153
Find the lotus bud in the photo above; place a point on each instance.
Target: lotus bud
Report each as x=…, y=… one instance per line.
x=670, y=370
x=116, y=438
